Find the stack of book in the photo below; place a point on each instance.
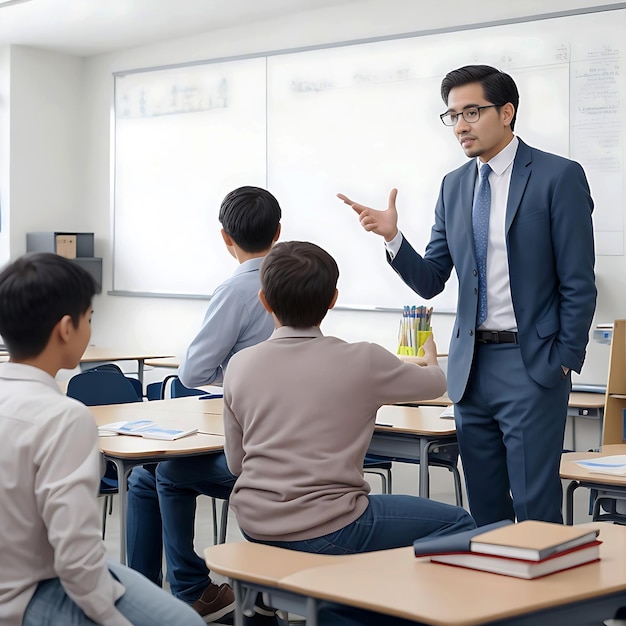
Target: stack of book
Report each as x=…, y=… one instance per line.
x=529, y=549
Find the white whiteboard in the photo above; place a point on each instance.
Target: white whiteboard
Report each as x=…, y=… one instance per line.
x=361, y=119
x=183, y=139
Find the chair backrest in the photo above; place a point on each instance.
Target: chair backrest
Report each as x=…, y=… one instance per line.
x=153, y=391
x=178, y=390
x=98, y=386
x=112, y=367
x=171, y=387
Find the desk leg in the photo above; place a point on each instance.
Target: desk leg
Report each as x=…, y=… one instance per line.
x=239, y=597
x=311, y=612
x=424, y=490
x=123, y=471
x=140, y=368
x=569, y=502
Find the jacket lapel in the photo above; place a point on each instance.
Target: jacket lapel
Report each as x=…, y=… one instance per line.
x=522, y=167
x=466, y=196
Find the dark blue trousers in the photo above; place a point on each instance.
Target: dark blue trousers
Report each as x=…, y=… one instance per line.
x=510, y=432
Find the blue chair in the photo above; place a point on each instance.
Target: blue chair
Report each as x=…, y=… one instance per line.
x=178, y=390
x=446, y=456
x=104, y=385
x=112, y=367
x=381, y=466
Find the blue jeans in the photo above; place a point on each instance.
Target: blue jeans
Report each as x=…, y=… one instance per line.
x=179, y=482
x=143, y=604
x=143, y=524
x=390, y=521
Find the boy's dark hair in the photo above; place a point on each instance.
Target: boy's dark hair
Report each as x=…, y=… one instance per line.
x=299, y=280
x=36, y=291
x=250, y=216
x=498, y=87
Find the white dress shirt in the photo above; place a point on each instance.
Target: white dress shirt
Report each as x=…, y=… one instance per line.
x=500, y=313
x=49, y=516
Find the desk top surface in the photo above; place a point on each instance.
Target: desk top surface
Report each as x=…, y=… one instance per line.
x=179, y=413
x=422, y=420
x=169, y=362
x=571, y=471
x=259, y=563
x=97, y=353
x=396, y=583
x=206, y=415
x=586, y=400
x=128, y=446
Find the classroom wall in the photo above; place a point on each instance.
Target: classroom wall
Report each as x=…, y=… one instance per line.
x=170, y=324
x=46, y=144
x=5, y=94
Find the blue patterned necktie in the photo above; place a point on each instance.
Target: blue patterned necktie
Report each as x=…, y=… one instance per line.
x=480, y=224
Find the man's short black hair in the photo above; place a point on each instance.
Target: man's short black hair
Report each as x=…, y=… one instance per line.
x=299, y=280
x=250, y=216
x=498, y=87
x=36, y=291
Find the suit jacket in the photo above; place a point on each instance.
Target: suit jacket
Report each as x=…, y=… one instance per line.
x=549, y=239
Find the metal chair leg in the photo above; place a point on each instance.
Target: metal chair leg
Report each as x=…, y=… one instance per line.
x=104, y=517
x=224, y=522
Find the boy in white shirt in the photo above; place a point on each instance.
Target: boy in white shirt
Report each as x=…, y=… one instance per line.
x=54, y=564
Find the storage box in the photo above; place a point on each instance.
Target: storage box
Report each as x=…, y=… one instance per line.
x=65, y=245
x=48, y=242
x=93, y=265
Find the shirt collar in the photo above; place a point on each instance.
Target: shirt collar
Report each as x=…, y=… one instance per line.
x=20, y=371
x=285, y=332
x=503, y=159
x=251, y=265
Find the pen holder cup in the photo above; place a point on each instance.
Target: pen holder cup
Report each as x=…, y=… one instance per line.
x=422, y=336
x=406, y=350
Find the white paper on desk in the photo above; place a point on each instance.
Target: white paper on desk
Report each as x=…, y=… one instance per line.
x=613, y=465
x=110, y=429
x=448, y=412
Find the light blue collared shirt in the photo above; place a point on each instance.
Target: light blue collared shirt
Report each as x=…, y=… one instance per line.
x=234, y=320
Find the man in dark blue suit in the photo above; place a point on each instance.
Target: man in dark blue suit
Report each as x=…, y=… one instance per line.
x=519, y=233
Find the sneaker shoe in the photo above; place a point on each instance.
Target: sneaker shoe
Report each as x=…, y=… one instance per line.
x=215, y=602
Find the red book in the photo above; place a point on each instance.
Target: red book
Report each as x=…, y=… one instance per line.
x=522, y=568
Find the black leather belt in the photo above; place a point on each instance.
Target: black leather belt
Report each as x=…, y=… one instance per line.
x=496, y=336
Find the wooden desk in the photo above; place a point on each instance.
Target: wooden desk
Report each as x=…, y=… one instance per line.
x=254, y=568
x=440, y=401
x=126, y=451
x=581, y=404
x=394, y=582
x=607, y=486
x=169, y=362
x=586, y=405
x=414, y=432
x=95, y=354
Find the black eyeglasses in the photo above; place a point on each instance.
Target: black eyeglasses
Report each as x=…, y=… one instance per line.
x=470, y=115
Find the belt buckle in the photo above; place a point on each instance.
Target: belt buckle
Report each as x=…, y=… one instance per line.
x=495, y=336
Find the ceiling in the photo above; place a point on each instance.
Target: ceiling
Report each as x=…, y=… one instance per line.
x=88, y=27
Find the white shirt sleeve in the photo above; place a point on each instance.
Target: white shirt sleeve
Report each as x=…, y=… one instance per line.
x=66, y=486
x=394, y=245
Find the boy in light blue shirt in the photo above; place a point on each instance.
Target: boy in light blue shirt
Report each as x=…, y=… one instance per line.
x=235, y=319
